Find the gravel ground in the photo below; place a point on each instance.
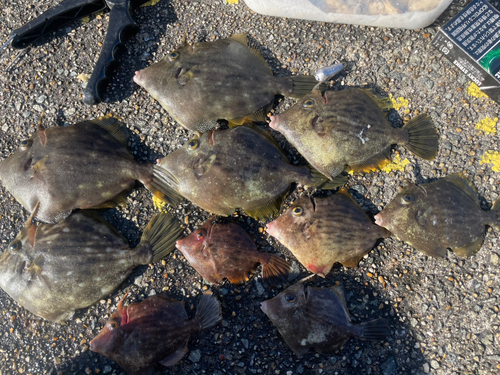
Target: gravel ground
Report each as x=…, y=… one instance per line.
x=444, y=313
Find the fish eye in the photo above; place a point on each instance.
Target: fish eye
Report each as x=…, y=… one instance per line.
x=174, y=55
x=297, y=211
x=15, y=246
x=26, y=143
x=200, y=235
x=112, y=325
x=290, y=298
x=193, y=144
x=308, y=103
x=408, y=198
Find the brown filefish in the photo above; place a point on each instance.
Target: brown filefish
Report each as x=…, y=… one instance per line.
x=442, y=214
x=54, y=269
x=155, y=330
x=336, y=129
x=323, y=231
x=318, y=318
x=225, y=79
x=85, y=165
x=226, y=251
x=242, y=167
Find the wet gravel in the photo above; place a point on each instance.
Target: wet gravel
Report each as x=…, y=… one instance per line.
x=444, y=313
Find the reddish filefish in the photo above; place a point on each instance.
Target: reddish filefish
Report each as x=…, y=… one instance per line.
x=226, y=251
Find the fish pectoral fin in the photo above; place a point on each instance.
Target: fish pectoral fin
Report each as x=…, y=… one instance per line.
x=114, y=127
x=34, y=270
x=38, y=167
x=373, y=163
x=186, y=76
x=422, y=217
x=470, y=249
x=268, y=209
x=176, y=357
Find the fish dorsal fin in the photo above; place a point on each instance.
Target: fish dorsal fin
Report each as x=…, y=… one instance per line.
x=470, y=249
x=346, y=193
x=339, y=292
x=268, y=209
x=243, y=40
x=113, y=126
x=460, y=181
x=270, y=138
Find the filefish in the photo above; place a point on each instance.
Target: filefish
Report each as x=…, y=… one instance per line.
x=323, y=231
x=439, y=215
x=242, y=167
x=155, y=330
x=54, y=269
x=226, y=251
x=86, y=165
x=225, y=79
x=308, y=317
x=336, y=129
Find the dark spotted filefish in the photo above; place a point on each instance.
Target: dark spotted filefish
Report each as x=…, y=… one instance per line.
x=54, y=269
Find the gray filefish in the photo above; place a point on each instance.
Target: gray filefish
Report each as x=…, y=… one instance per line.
x=54, y=269
x=85, y=165
x=225, y=79
x=442, y=214
x=323, y=231
x=335, y=129
x=155, y=330
x=242, y=167
x=308, y=317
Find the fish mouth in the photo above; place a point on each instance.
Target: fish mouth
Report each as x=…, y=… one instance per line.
x=264, y=307
x=138, y=77
x=379, y=220
x=271, y=228
x=274, y=122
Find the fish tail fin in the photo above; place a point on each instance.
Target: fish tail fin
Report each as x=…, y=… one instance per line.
x=303, y=85
x=496, y=208
x=274, y=270
x=320, y=181
x=161, y=234
x=374, y=330
x=422, y=136
x=209, y=311
x=161, y=186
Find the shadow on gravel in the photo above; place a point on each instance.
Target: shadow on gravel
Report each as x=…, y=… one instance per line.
x=139, y=49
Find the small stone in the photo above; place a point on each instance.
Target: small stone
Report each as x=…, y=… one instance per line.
x=434, y=364
x=107, y=370
x=245, y=343
x=493, y=257
x=41, y=99
x=195, y=356
x=389, y=367
x=426, y=368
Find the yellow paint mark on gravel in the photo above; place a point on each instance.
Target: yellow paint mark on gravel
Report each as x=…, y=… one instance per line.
x=232, y=1
x=396, y=165
x=491, y=157
x=159, y=204
x=150, y=3
x=397, y=103
x=83, y=77
x=85, y=20
x=488, y=125
x=475, y=91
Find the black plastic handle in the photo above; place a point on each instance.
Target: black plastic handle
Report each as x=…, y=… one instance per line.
x=120, y=25
x=54, y=19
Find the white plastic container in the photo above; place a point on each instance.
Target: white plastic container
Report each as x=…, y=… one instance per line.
x=405, y=14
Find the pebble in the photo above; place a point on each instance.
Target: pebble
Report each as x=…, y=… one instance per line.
x=426, y=368
x=195, y=355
